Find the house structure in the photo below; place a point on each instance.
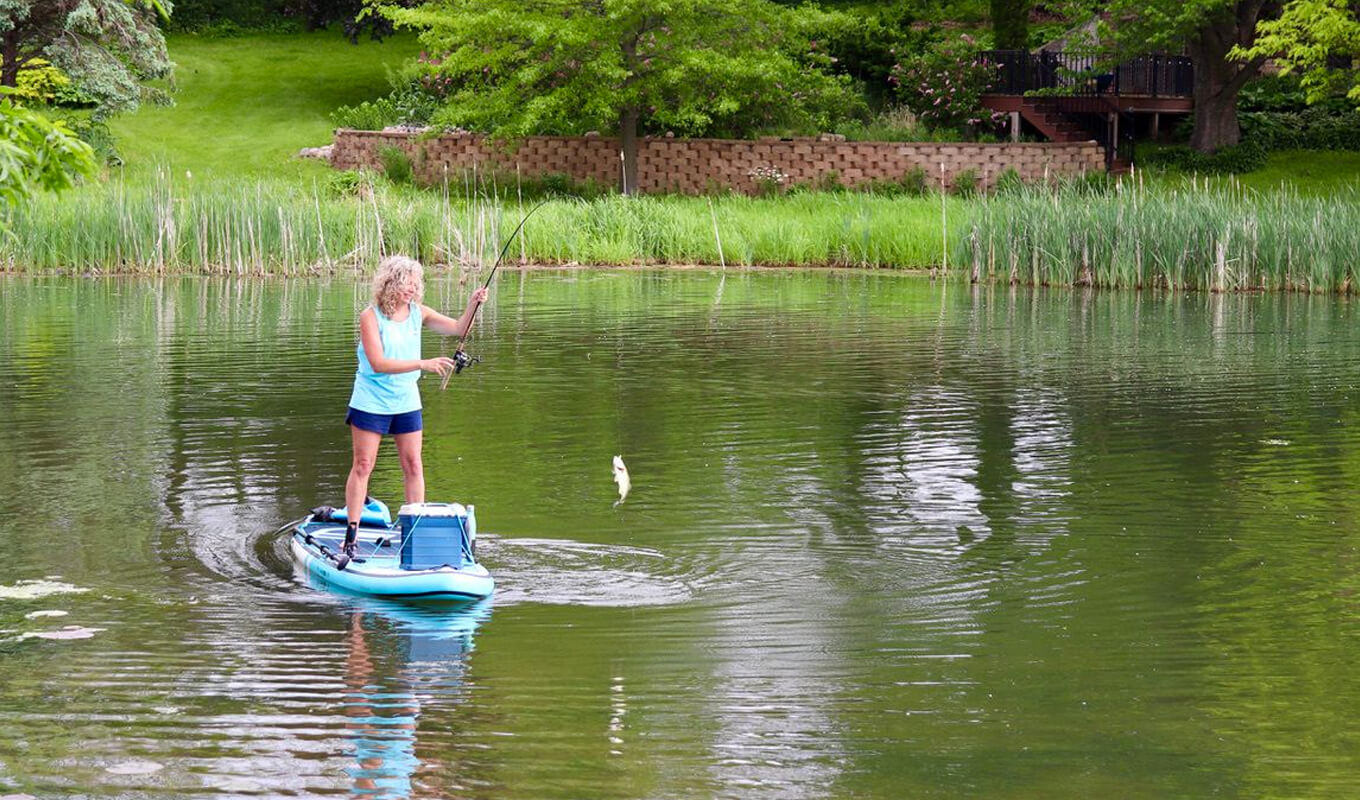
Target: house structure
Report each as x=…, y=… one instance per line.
x=1072, y=90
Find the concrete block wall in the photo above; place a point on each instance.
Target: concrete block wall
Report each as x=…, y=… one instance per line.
x=692, y=166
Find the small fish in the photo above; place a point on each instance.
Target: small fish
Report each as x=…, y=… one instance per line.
x=621, y=478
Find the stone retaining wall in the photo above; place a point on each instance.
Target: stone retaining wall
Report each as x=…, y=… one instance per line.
x=692, y=166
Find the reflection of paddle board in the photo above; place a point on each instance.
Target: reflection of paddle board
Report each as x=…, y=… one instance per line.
x=404, y=660
x=429, y=554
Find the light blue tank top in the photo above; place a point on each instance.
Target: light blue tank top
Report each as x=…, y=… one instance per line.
x=390, y=393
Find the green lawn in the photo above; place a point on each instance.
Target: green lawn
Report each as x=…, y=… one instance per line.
x=1313, y=173
x=244, y=106
x=1310, y=172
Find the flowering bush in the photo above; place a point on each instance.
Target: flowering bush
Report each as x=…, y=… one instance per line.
x=427, y=76
x=944, y=86
x=769, y=179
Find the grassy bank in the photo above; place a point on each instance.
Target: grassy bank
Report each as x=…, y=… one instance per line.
x=181, y=224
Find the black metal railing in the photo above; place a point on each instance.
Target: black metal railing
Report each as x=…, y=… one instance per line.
x=1020, y=72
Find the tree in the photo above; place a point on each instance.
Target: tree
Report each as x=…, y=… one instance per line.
x=106, y=47
x=1309, y=37
x=694, y=67
x=36, y=154
x=1208, y=30
x=1010, y=24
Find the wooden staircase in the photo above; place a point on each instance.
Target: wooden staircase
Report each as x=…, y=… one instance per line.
x=1059, y=126
x=1070, y=119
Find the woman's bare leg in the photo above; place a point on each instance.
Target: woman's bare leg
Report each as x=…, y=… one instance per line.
x=412, y=469
x=365, y=455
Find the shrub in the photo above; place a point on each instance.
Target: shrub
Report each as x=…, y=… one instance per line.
x=396, y=165
x=915, y=182
x=370, y=115
x=769, y=180
x=868, y=44
x=409, y=104
x=1009, y=181
x=97, y=135
x=43, y=83
x=348, y=183
x=944, y=86
x=829, y=181
x=1313, y=128
x=965, y=184
x=1273, y=93
x=225, y=17
x=1244, y=157
x=895, y=124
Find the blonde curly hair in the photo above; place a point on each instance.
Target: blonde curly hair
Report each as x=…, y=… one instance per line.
x=394, y=274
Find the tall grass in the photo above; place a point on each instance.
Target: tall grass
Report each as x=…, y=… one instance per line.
x=261, y=227
x=1221, y=240
x=1133, y=236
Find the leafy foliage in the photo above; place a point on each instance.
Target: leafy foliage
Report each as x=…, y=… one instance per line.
x=895, y=124
x=41, y=83
x=866, y=44
x=695, y=67
x=396, y=165
x=1010, y=24
x=1273, y=93
x=1313, y=128
x=1247, y=156
x=37, y=154
x=350, y=14
x=227, y=15
x=1307, y=34
x=106, y=47
x=944, y=86
x=234, y=17
x=407, y=105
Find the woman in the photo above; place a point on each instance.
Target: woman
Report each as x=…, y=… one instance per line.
x=386, y=399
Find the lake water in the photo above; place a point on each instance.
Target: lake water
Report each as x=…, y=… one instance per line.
x=885, y=538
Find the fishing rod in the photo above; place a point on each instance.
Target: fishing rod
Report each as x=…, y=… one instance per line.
x=461, y=359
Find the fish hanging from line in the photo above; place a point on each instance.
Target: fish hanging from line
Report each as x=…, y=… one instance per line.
x=621, y=478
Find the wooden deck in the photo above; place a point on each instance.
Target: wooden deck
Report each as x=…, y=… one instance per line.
x=1069, y=98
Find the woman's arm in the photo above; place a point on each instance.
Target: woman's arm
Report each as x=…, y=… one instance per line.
x=372, y=342
x=455, y=327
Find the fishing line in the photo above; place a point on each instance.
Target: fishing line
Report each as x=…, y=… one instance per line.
x=461, y=359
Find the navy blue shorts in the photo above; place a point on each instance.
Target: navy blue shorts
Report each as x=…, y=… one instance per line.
x=410, y=422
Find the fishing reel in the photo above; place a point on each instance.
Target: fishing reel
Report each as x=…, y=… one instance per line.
x=462, y=360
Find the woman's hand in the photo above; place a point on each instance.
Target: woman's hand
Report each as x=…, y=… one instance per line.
x=442, y=365
x=478, y=297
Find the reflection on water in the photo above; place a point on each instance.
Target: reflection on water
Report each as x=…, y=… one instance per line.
x=401, y=659
x=882, y=538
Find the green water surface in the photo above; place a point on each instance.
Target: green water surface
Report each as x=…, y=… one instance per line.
x=884, y=538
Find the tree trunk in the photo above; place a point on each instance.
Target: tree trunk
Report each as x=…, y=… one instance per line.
x=9, y=59
x=1219, y=80
x=1215, y=119
x=628, y=126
